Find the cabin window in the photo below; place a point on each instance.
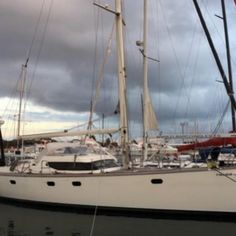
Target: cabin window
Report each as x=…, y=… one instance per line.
x=51, y=183
x=12, y=181
x=76, y=183
x=156, y=181
x=81, y=166
x=105, y=164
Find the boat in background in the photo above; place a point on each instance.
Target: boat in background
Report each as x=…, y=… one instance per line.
x=68, y=158
x=220, y=141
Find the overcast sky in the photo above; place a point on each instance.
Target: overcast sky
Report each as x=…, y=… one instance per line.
x=66, y=41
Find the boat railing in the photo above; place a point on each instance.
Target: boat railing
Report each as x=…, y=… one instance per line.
x=231, y=160
x=25, y=167
x=20, y=166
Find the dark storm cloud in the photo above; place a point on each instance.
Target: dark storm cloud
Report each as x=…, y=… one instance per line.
x=180, y=84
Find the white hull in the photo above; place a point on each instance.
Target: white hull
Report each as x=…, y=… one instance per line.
x=184, y=190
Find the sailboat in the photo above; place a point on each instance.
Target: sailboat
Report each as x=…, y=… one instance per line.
x=195, y=192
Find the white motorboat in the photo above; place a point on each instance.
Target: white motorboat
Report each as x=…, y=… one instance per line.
x=68, y=158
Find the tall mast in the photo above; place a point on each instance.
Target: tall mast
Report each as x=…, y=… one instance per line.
x=121, y=78
x=149, y=116
x=228, y=60
x=121, y=82
x=22, y=91
x=145, y=78
x=215, y=54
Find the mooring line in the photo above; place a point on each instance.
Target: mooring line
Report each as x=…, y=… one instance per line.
x=225, y=175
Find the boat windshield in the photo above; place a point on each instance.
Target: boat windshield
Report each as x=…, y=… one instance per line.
x=105, y=164
x=78, y=150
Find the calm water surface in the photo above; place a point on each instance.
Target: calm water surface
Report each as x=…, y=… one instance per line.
x=21, y=221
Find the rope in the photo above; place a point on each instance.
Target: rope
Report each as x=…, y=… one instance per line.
x=98, y=119
x=26, y=62
x=182, y=73
x=213, y=23
x=39, y=52
x=194, y=69
x=101, y=75
x=35, y=31
x=226, y=176
x=94, y=219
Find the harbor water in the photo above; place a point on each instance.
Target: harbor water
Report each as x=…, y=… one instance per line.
x=20, y=220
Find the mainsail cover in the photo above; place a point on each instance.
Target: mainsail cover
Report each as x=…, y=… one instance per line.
x=149, y=116
x=65, y=133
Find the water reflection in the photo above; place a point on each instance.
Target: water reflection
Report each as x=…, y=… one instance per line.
x=21, y=221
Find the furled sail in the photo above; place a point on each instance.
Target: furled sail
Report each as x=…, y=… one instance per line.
x=149, y=113
x=149, y=116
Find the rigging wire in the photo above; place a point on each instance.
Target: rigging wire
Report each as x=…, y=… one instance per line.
x=189, y=92
x=182, y=74
x=225, y=175
x=11, y=96
x=136, y=62
x=108, y=50
x=101, y=76
x=216, y=28
x=27, y=60
x=219, y=124
x=35, y=30
x=94, y=220
x=215, y=131
x=96, y=26
x=39, y=52
x=92, y=106
x=213, y=23
x=159, y=84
